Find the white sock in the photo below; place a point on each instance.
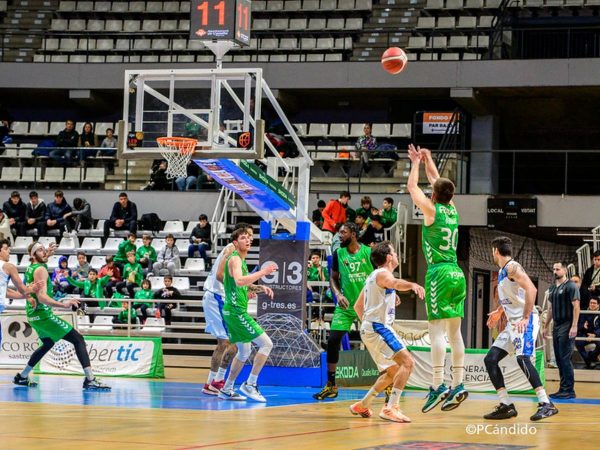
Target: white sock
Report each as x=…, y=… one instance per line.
x=211, y=376
x=395, y=397
x=504, y=398
x=220, y=374
x=438, y=376
x=437, y=329
x=369, y=397
x=458, y=375
x=252, y=379
x=88, y=373
x=229, y=384
x=542, y=397
x=26, y=371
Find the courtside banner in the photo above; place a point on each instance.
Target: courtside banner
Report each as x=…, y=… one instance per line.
x=110, y=356
x=18, y=339
x=476, y=376
x=438, y=122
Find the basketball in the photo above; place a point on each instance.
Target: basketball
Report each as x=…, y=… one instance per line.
x=394, y=60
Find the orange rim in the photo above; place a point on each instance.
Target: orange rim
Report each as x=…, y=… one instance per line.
x=184, y=145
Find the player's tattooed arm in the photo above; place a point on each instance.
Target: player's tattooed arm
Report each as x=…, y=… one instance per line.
x=515, y=272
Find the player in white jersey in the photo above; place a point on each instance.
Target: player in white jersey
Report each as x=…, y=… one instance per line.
x=8, y=272
x=516, y=296
x=376, y=307
x=212, y=304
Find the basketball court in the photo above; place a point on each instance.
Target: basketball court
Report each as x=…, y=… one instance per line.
x=174, y=414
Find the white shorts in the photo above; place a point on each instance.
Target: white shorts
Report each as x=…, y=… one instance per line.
x=382, y=343
x=519, y=344
x=213, y=314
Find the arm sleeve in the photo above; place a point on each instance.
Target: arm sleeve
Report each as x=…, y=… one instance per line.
x=335, y=265
x=574, y=291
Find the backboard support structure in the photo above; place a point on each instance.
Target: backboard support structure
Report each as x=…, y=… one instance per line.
x=214, y=106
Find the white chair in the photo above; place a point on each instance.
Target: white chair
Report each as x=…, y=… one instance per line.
x=38, y=128
x=29, y=174
x=20, y=127
x=173, y=226
x=91, y=244
x=54, y=175
x=381, y=130
x=112, y=244
x=154, y=325
x=338, y=130
x=21, y=242
x=157, y=282
x=11, y=174
x=97, y=262
x=181, y=283
x=297, y=24
x=83, y=323
x=401, y=130
x=72, y=262
x=193, y=266
x=25, y=260
x=73, y=174
x=68, y=244
x=317, y=130
x=13, y=259
x=102, y=323
x=53, y=261
x=47, y=240
x=182, y=245
x=356, y=129
x=95, y=175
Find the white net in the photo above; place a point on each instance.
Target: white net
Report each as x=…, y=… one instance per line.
x=178, y=152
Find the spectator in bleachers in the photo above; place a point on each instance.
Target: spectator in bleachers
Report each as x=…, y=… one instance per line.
x=5, y=232
x=388, y=213
x=16, y=211
x=57, y=214
x=350, y=213
x=158, y=177
x=334, y=214
x=108, y=142
x=362, y=225
x=146, y=253
x=35, y=215
x=61, y=275
x=133, y=274
x=366, y=143
x=590, y=284
x=93, y=286
x=145, y=293
x=126, y=314
x=167, y=293
x=88, y=138
x=114, y=276
x=167, y=261
x=66, y=139
x=316, y=271
x=83, y=267
x=190, y=181
x=366, y=207
x=589, y=327
x=374, y=232
x=81, y=215
x=317, y=214
x=127, y=245
x=123, y=216
x=200, y=240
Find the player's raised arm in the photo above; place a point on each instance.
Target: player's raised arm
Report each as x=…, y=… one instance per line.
x=430, y=167
x=221, y=269
x=516, y=273
x=235, y=269
x=416, y=193
x=388, y=281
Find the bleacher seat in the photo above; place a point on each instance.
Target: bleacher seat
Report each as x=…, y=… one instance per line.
x=182, y=245
x=24, y=263
x=91, y=244
x=11, y=174
x=158, y=243
x=68, y=244
x=20, y=127
x=356, y=130
x=83, y=323
x=173, y=226
x=192, y=266
x=381, y=130
x=47, y=240
x=54, y=175
x=21, y=243
x=317, y=130
x=97, y=261
x=338, y=130
x=53, y=261
x=181, y=283
x=154, y=325
x=72, y=262
x=112, y=244
x=102, y=323
x=157, y=282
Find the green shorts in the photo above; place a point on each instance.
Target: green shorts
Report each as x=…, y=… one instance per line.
x=343, y=318
x=52, y=327
x=241, y=327
x=445, y=291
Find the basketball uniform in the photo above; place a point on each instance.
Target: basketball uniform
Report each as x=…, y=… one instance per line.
x=354, y=270
x=512, y=299
x=445, y=284
x=41, y=318
x=213, y=302
x=376, y=329
x=241, y=327
x=4, y=277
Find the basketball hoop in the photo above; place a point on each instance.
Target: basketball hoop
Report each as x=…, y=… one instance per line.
x=177, y=151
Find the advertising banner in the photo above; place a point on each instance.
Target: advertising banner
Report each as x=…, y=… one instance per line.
x=437, y=123
x=18, y=339
x=110, y=356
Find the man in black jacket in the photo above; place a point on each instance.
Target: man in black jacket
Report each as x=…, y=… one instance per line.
x=165, y=294
x=15, y=210
x=590, y=285
x=81, y=214
x=69, y=137
x=58, y=215
x=123, y=216
x=36, y=214
x=589, y=327
x=200, y=240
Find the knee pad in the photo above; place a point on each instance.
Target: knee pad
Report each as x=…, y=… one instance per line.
x=264, y=343
x=244, y=350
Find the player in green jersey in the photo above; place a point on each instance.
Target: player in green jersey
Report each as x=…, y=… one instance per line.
x=242, y=329
x=48, y=326
x=351, y=267
x=445, y=284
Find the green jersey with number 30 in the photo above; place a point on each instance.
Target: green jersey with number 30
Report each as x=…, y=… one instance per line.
x=441, y=237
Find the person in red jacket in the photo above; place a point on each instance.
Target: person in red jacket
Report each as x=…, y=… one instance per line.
x=334, y=213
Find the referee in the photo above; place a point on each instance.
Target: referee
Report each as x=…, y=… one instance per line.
x=564, y=310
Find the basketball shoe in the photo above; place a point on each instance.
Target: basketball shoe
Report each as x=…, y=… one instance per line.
x=434, y=397
x=358, y=409
x=95, y=385
x=393, y=414
x=23, y=381
x=328, y=391
x=455, y=397
x=252, y=392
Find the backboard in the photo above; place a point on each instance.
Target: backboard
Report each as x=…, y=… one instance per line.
x=218, y=107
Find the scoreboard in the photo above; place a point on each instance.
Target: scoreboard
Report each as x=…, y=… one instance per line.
x=512, y=213
x=214, y=20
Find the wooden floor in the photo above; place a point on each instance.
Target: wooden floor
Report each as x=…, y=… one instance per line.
x=39, y=422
